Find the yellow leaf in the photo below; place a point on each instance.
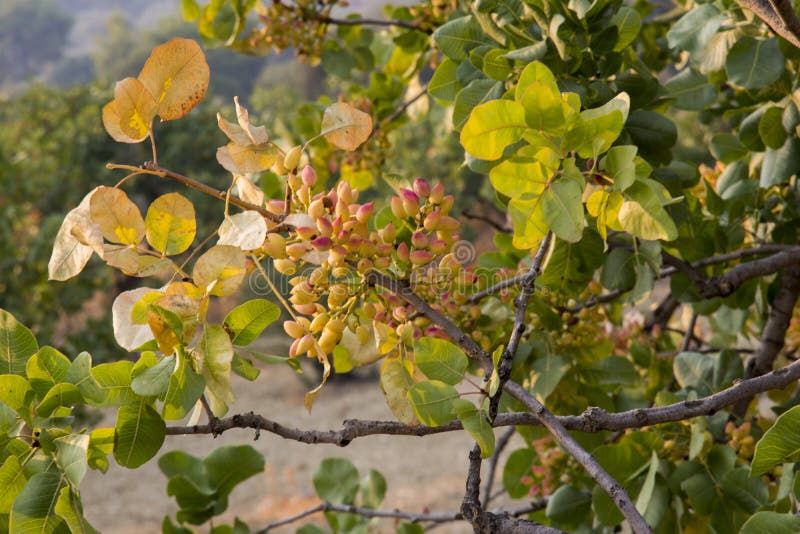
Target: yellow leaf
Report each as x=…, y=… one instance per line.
x=358, y=179
x=135, y=108
x=186, y=309
x=170, y=224
x=346, y=127
x=111, y=122
x=395, y=382
x=220, y=270
x=248, y=191
x=118, y=218
x=122, y=257
x=176, y=74
x=247, y=159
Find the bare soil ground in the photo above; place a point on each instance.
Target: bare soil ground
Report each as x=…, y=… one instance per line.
x=423, y=474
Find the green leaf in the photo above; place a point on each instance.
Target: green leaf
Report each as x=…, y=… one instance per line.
x=547, y=373
x=63, y=394
x=771, y=523
x=613, y=370
x=139, y=434
x=69, y=508
x=101, y=444
x=16, y=392
x=754, y=63
x=154, y=380
x=34, y=508
x=336, y=481
x=444, y=83
x=228, y=466
x=456, y=38
x=476, y=424
x=528, y=221
x=695, y=29
x=523, y=174
x=628, y=23
x=642, y=215
x=475, y=93
x=779, y=165
x=395, y=382
x=496, y=65
x=71, y=456
x=80, y=374
x=770, y=127
x=373, y=489
x=599, y=127
x=694, y=370
x=727, y=148
x=568, y=505
x=244, y=367
x=491, y=127
x=440, y=360
x=45, y=369
x=12, y=481
x=619, y=165
x=779, y=444
x=114, y=380
x=653, y=133
x=170, y=224
x=246, y=321
x=571, y=266
x=216, y=354
x=562, y=209
x=646, y=493
x=17, y=345
x=690, y=89
x=538, y=93
x=748, y=493
x=433, y=402
x=517, y=466
x=185, y=388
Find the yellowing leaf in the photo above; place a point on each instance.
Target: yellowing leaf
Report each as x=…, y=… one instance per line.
x=170, y=224
x=129, y=333
x=119, y=218
x=122, y=257
x=248, y=191
x=246, y=230
x=173, y=320
x=220, y=270
x=346, y=127
x=395, y=382
x=216, y=353
x=111, y=122
x=135, y=108
x=239, y=159
x=257, y=134
x=70, y=255
x=176, y=74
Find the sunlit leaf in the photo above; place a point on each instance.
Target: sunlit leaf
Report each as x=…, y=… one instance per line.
x=170, y=224
x=562, y=209
x=433, y=402
x=220, y=270
x=63, y=394
x=119, y=218
x=69, y=508
x=135, y=108
x=440, y=360
x=216, y=353
x=34, y=508
x=17, y=344
x=346, y=127
x=114, y=380
x=79, y=373
x=239, y=159
x=492, y=127
x=129, y=334
x=246, y=321
x=246, y=230
x=70, y=254
x=71, y=456
x=778, y=444
x=12, y=480
x=766, y=522
x=476, y=424
x=395, y=382
x=176, y=74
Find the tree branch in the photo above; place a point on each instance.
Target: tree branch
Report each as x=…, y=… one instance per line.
x=614, y=490
x=490, y=471
x=778, y=15
x=725, y=284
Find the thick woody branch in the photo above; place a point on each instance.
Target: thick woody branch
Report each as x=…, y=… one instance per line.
x=725, y=284
x=778, y=15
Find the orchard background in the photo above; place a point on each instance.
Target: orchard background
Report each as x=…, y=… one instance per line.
x=557, y=241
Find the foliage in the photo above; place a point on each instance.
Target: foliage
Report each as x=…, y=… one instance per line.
x=568, y=134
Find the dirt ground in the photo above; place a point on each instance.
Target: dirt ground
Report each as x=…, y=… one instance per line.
x=423, y=474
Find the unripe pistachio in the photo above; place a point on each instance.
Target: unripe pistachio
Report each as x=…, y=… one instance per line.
x=337, y=255
x=309, y=176
x=276, y=206
x=448, y=224
x=437, y=193
x=336, y=325
x=342, y=209
x=400, y=314
x=369, y=309
x=431, y=222
x=304, y=194
x=337, y=294
x=319, y=322
x=405, y=332
x=328, y=340
x=421, y=257
x=287, y=267
x=388, y=233
x=336, y=225
x=316, y=208
x=305, y=309
x=324, y=226
x=449, y=264
x=402, y=252
x=293, y=348
x=318, y=276
x=363, y=334
x=294, y=181
x=344, y=191
x=278, y=167
x=305, y=344
x=384, y=250
x=437, y=246
x=293, y=329
x=365, y=212
x=382, y=263
x=306, y=233
x=322, y=243
x=364, y=266
x=410, y=202
x=292, y=158
x=296, y=250
x=447, y=204
x=422, y=188
x=341, y=272
x=398, y=210
x=275, y=248
x=419, y=240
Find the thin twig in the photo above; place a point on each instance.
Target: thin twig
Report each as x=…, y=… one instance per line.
x=687, y=338
x=399, y=111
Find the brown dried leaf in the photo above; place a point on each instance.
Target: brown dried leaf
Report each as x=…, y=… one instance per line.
x=346, y=127
x=122, y=257
x=176, y=74
x=119, y=218
x=111, y=122
x=248, y=191
x=70, y=255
